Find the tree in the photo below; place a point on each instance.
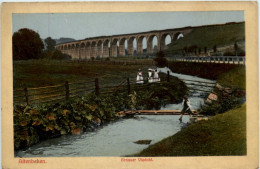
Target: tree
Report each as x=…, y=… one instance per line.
x=27, y=44
x=160, y=59
x=205, y=50
x=60, y=56
x=50, y=43
x=236, y=48
x=215, y=48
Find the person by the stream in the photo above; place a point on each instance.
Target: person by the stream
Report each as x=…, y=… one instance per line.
x=186, y=107
x=139, y=78
x=156, y=76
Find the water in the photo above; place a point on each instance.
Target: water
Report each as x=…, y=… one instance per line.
x=117, y=138
x=114, y=139
x=196, y=97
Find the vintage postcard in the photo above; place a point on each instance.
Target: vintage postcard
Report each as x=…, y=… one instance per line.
x=130, y=85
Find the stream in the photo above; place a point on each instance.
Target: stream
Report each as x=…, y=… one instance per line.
x=117, y=138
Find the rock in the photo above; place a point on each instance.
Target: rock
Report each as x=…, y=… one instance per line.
x=143, y=142
x=76, y=131
x=212, y=97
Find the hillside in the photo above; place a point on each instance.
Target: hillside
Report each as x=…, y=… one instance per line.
x=64, y=40
x=209, y=36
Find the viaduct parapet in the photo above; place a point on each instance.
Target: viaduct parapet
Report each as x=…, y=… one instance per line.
x=107, y=46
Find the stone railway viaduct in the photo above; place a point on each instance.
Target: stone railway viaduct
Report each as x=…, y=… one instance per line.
x=107, y=46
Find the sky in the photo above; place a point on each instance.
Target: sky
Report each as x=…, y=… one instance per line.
x=83, y=25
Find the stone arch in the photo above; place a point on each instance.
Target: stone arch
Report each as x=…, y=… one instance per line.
x=114, y=47
x=93, y=49
x=122, y=46
x=88, y=50
x=73, y=51
x=130, y=45
x=69, y=50
x=99, y=48
x=140, y=44
x=177, y=36
x=162, y=41
x=106, y=46
x=150, y=45
x=82, y=51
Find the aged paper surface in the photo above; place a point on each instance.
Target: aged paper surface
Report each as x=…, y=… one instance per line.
x=248, y=161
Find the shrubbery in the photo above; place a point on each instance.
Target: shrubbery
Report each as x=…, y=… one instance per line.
x=160, y=59
x=55, y=55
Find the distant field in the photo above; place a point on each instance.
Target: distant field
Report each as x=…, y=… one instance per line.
x=36, y=73
x=209, y=36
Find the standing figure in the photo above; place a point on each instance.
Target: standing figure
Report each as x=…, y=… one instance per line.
x=150, y=78
x=139, y=78
x=186, y=107
x=156, y=76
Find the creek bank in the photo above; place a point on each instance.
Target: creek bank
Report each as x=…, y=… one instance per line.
x=33, y=124
x=223, y=134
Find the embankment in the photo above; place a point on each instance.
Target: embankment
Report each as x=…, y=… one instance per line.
x=223, y=134
x=230, y=75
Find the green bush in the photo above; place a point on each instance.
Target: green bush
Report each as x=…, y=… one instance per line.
x=160, y=59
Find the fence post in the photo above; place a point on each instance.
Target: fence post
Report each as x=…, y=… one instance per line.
x=26, y=96
x=96, y=86
x=128, y=85
x=67, y=90
x=168, y=76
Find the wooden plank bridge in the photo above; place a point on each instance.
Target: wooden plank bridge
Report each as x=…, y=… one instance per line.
x=153, y=112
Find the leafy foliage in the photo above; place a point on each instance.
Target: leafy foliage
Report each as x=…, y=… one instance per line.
x=50, y=43
x=35, y=123
x=27, y=44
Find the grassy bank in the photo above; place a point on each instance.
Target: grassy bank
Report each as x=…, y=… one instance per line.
x=227, y=74
x=224, y=134
x=235, y=78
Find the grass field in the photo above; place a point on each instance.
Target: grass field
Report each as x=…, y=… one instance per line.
x=221, y=35
x=224, y=134
x=38, y=73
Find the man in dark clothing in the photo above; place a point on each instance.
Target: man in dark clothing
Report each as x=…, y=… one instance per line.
x=186, y=107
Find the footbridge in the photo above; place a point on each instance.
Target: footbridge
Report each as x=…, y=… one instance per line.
x=115, y=45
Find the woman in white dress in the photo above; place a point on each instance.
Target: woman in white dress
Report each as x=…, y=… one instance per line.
x=150, y=78
x=139, y=78
x=156, y=76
